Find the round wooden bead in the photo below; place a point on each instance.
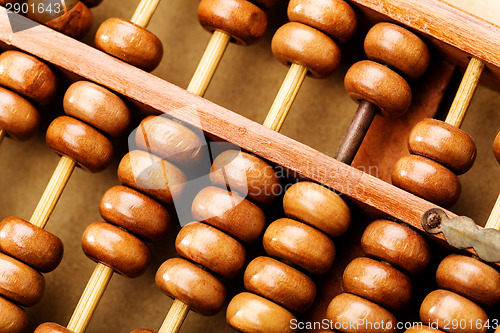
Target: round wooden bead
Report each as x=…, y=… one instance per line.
x=98, y=107
x=13, y=319
x=443, y=143
x=280, y=283
x=229, y=212
x=211, y=248
x=51, y=328
x=379, y=85
x=116, y=248
x=496, y=147
x=427, y=179
x=183, y=280
x=242, y=20
x=317, y=206
x=470, y=278
x=151, y=175
x=18, y=117
x=303, y=45
x=442, y=306
x=397, y=47
x=253, y=314
x=397, y=244
x=372, y=318
x=170, y=140
x=130, y=43
x=136, y=212
x=422, y=329
x=378, y=283
x=299, y=244
x=246, y=174
x=333, y=17
x=27, y=76
x=92, y=3
x=72, y=18
x=19, y=282
x=87, y=146
x=30, y=244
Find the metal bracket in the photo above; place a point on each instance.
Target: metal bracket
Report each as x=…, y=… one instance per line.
x=462, y=232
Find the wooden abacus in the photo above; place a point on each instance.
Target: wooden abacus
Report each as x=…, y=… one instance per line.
x=279, y=150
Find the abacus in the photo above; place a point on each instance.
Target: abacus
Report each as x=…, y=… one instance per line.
x=136, y=303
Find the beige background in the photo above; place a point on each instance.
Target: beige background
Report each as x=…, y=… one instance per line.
x=246, y=83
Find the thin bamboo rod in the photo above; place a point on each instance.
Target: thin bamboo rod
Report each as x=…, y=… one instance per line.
x=494, y=219
x=175, y=317
x=144, y=12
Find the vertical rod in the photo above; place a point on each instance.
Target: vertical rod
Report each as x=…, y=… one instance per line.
x=175, y=317
x=144, y=12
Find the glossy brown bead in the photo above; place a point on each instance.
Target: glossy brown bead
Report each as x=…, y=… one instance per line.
x=333, y=17
x=496, y=147
x=347, y=308
x=211, y=248
x=98, y=107
x=19, y=282
x=442, y=306
x=116, y=248
x=422, y=329
x=317, y=206
x=130, y=43
x=397, y=47
x=427, y=179
x=87, y=146
x=303, y=45
x=27, y=76
x=246, y=174
x=13, y=319
x=251, y=313
x=379, y=85
x=4, y=2
x=170, y=140
x=242, y=20
x=18, y=117
x=183, y=280
x=469, y=277
x=151, y=175
x=136, y=212
x=397, y=244
x=443, y=143
x=378, y=283
x=30, y=244
x=229, y=212
x=280, y=283
x=299, y=244
x=51, y=328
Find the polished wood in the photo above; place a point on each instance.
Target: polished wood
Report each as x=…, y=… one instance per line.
x=496, y=147
x=18, y=117
x=13, y=319
x=422, y=329
x=51, y=328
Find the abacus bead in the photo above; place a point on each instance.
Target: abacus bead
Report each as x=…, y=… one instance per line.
x=317, y=206
x=211, y=248
x=442, y=306
x=379, y=85
x=333, y=17
x=116, y=248
x=378, y=283
x=241, y=19
x=92, y=3
x=251, y=313
x=422, y=329
x=81, y=142
x=397, y=244
x=443, y=143
x=190, y=284
x=51, y=328
x=280, y=283
x=18, y=117
x=30, y=244
x=27, y=76
x=247, y=174
x=130, y=43
x=98, y=107
x=496, y=147
x=301, y=44
x=427, y=179
x=170, y=140
x=229, y=212
x=151, y=175
x=135, y=212
x=348, y=308
x=19, y=282
x=13, y=319
x=299, y=244
x=397, y=47
x=470, y=278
